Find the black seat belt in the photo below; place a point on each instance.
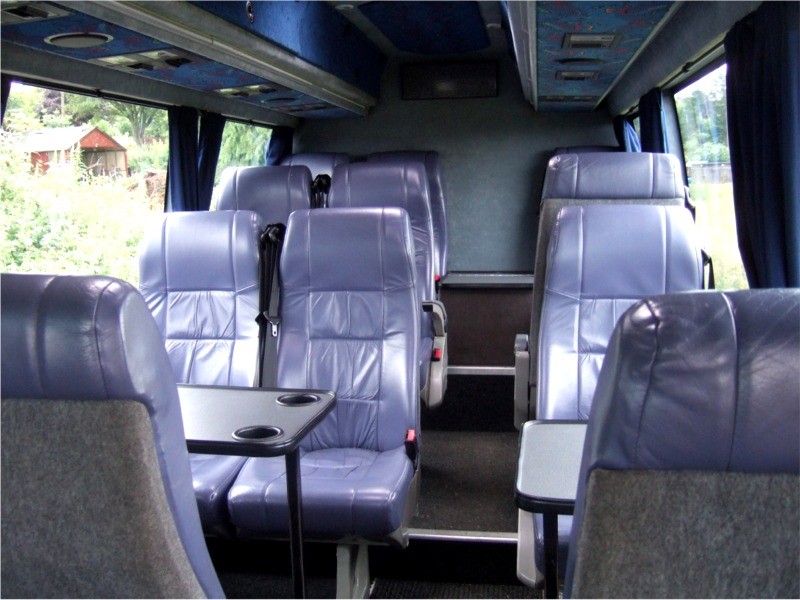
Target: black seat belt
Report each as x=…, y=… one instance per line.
x=268, y=318
x=707, y=261
x=319, y=191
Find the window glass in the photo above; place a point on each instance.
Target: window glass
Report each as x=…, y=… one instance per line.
x=702, y=115
x=243, y=145
x=80, y=178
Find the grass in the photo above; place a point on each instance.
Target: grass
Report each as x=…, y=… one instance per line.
x=717, y=226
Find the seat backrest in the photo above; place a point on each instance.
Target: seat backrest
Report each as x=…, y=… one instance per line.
x=350, y=323
x=696, y=429
x=97, y=493
x=319, y=163
x=586, y=149
x=199, y=276
x=433, y=169
x=398, y=184
x=601, y=259
x=596, y=178
x=272, y=192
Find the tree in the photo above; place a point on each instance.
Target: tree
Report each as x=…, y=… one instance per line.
x=140, y=119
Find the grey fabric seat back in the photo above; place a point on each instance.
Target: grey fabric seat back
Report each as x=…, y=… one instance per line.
x=272, y=192
x=596, y=178
x=601, y=260
x=319, y=163
x=398, y=184
x=97, y=492
x=199, y=276
x=433, y=170
x=350, y=323
x=696, y=428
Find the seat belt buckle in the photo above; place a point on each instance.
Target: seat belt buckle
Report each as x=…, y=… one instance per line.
x=411, y=446
x=274, y=325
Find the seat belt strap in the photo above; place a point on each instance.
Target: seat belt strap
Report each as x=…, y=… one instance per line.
x=268, y=319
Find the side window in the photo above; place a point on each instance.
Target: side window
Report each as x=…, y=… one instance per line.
x=702, y=115
x=243, y=145
x=80, y=178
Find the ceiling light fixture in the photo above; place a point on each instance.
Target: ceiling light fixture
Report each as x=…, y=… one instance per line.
x=81, y=39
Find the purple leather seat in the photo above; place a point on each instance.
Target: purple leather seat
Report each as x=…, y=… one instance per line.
x=433, y=170
x=350, y=323
x=602, y=258
x=97, y=495
x=695, y=427
x=199, y=276
x=319, y=163
x=272, y=192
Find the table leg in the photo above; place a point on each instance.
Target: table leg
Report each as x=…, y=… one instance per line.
x=550, y=555
x=294, y=493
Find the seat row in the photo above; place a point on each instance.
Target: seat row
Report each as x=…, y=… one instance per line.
x=349, y=323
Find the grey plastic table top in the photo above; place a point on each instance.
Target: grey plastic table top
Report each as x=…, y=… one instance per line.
x=549, y=463
x=266, y=421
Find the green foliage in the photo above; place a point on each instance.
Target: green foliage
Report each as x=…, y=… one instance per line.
x=152, y=157
x=242, y=146
x=702, y=114
x=68, y=220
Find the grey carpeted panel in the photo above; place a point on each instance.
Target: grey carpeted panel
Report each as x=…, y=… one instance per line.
x=84, y=511
x=468, y=481
x=392, y=588
x=680, y=534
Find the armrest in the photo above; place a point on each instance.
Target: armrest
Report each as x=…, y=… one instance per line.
x=439, y=315
x=522, y=370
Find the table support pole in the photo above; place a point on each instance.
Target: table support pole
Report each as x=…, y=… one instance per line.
x=550, y=554
x=293, y=489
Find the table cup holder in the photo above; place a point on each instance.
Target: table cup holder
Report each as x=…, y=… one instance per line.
x=298, y=399
x=257, y=433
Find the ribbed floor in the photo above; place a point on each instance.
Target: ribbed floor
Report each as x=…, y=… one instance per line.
x=388, y=588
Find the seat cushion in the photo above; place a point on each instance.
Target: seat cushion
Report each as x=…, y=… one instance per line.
x=346, y=491
x=212, y=478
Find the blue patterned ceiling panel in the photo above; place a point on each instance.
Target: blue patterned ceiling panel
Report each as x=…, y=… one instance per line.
x=632, y=21
x=315, y=32
x=197, y=72
x=433, y=28
x=125, y=41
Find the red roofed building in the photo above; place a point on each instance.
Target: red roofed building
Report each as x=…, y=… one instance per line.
x=101, y=153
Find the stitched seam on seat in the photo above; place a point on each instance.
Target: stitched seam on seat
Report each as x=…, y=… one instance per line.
x=582, y=252
x=308, y=299
x=666, y=246
x=288, y=203
x=736, y=380
x=649, y=382
x=96, y=327
x=231, y=245
x=383, y=328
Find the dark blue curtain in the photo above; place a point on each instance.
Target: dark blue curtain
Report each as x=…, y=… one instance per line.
x=182, y=169
x=626, y=134
x=5, y=90
x=280, y=145
x=763, y=88
x=652, y=123
x=210, y=142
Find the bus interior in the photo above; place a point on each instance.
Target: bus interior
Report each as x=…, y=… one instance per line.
x=548, y=180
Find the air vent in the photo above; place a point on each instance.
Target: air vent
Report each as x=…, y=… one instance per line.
x=77, y=40
x=568, y=98
x=27, y=12
x=590, y=41
x=576, y=75
x=146, y=61
x=579, y=60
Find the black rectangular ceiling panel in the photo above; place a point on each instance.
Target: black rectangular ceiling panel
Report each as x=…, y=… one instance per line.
x=447, y=81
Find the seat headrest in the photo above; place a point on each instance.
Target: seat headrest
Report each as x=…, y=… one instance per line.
x=403, y=184
x=613, y=176
x=585, y=149
x=366, y=249
x=701, y=381
x=197, y=251
x=272, y=192
x=320, y=163
x=88, y=338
